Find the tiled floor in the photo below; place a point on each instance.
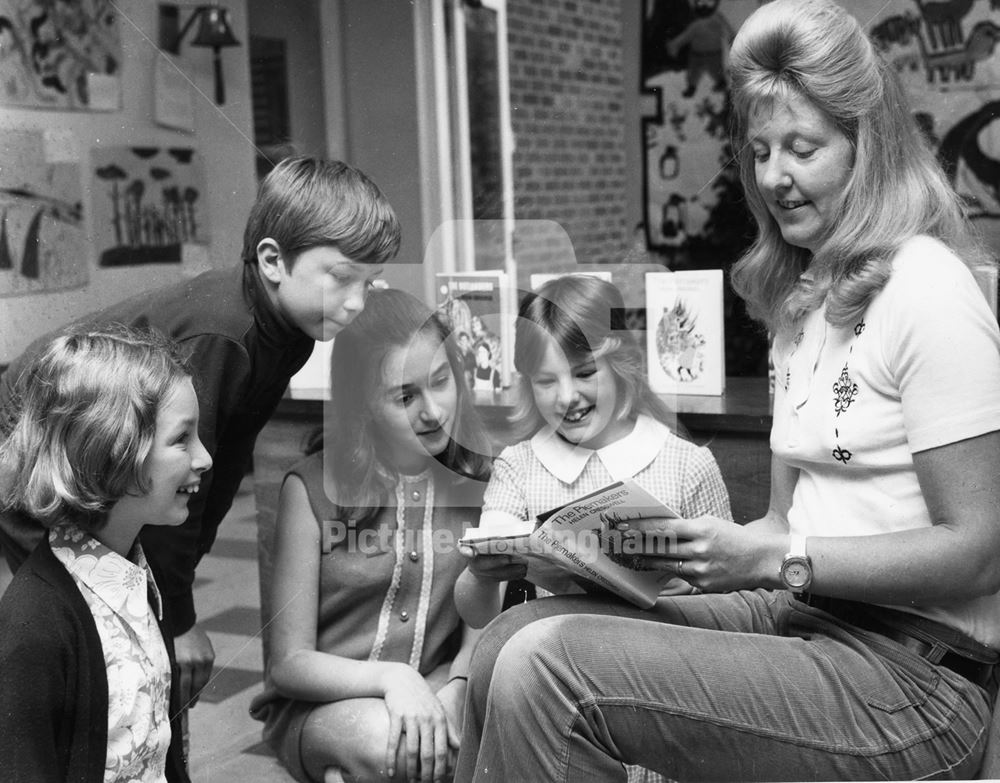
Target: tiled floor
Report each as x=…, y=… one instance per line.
x=225, y=742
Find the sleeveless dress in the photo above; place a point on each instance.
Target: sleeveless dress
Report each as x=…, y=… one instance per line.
x=383, y=596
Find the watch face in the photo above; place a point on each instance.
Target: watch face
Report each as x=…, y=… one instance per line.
x=796, y=573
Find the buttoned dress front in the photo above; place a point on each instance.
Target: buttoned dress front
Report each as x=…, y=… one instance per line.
x=386, y=587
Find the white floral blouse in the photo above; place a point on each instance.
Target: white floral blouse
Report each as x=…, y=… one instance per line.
x=115, y=589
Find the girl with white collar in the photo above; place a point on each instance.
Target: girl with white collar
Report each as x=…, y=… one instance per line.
x=592, y=420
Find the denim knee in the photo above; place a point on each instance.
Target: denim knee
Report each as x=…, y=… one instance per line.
x=525, y=661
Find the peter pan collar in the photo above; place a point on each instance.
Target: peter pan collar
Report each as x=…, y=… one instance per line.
x=623, y=458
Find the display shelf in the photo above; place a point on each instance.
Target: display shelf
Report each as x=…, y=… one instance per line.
x=745, y=406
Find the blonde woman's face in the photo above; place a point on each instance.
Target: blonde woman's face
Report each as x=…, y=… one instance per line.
x=802, y=163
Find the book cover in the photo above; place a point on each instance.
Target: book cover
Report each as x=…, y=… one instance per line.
x=582, y=538
x=685, y=333
x=479, y=309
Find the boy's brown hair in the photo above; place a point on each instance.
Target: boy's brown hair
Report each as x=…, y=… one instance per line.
x=306, y=202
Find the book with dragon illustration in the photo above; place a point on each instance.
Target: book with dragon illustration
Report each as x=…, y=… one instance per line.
x=684, y=332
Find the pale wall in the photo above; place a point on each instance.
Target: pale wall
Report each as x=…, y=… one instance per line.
x=298, y=23
x=223, y=136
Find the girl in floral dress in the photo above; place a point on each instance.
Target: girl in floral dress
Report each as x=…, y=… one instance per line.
x=104, y=441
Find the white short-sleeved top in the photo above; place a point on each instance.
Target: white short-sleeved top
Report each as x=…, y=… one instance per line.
x=536, y=475
x=920, y=369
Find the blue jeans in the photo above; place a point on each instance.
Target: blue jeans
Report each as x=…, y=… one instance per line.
x=736, y=686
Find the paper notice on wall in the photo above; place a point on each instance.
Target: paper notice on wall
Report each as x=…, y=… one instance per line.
x=173, y=106
x=194, y=259
x=60, y=146
x=105, y=92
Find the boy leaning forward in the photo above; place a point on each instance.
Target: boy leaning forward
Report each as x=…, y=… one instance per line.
x=316, y=239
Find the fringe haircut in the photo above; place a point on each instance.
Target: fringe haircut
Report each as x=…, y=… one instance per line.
x=584, y=316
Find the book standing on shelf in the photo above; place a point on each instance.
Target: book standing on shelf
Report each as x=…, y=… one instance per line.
x=582, y=539
x=479, y=308
x=685, y=332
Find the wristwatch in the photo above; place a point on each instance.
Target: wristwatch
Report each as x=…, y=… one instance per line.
x=796, y=572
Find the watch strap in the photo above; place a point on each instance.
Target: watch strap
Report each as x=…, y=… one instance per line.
x=797, y=547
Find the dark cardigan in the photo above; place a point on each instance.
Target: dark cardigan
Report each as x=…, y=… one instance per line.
x=54, y=684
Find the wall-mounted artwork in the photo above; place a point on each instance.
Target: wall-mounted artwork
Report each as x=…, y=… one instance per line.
x=147, y=203
x=60, y=54
x=688, y=180
x=42, y=240
x=948, y=55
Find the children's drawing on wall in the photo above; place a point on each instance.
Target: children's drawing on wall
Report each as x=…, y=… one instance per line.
x=60, y=54
x=42, y=241
x=706, y=37
x=689, y=182
x=147, y=203
x=948, y=55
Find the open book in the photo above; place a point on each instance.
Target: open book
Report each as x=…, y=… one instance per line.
x=583, y=539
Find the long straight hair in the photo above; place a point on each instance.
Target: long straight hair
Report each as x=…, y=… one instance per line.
x=816, y=50
x=362, y=472
x=584, y=316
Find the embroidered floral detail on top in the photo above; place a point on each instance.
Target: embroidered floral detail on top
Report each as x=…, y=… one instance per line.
x=845, y=391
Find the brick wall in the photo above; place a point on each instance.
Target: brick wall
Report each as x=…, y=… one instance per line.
x=567, y=109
